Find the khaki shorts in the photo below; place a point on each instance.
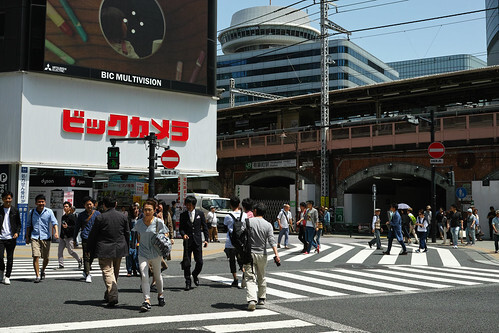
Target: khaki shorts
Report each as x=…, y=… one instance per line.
x=40, y=248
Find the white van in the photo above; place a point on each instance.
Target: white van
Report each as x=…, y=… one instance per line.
x=204, y=202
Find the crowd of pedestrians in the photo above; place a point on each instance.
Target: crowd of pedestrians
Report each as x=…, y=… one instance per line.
x=109, y=235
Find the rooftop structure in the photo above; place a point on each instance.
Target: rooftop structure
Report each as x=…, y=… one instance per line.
x=264, y=27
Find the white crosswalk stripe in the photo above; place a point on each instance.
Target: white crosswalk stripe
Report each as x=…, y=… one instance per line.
x=336, y=253
x=305, y=256
x=23, y=269
x=344, y=282
x=356, y=253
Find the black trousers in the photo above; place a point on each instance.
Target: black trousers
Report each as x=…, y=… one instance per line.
x=7, y=245
x=189, y=250
x=231, y=255
x=301, y=236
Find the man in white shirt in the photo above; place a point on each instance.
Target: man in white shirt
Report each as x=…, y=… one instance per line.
x=284, y=219
x=211, y=221
x=229, y=248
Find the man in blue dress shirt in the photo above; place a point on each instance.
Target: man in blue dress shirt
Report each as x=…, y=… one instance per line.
x=395, y=230
x=38, y=232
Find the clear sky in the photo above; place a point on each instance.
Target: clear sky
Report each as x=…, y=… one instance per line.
x=463, y=34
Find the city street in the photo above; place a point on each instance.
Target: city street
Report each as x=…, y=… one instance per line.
x=347, y=287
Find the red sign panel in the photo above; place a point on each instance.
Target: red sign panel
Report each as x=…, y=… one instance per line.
x=436, y=150
x=170, y=159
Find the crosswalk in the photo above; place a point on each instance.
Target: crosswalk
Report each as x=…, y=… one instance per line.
x=357, y=253
x=341, y=282
x=23, y=269
x=219, y=322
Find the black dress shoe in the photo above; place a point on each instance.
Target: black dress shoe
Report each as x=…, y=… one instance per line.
x=386, y=252
x=404, y=253
x=196, y=280
x=370, y=245
x=188, y=286
x=112, y=304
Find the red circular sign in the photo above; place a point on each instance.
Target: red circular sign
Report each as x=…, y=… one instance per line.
x=436, y=150
x=73, y=181
x=170, y=159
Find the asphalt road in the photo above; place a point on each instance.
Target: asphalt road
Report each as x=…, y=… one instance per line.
x=349, y=291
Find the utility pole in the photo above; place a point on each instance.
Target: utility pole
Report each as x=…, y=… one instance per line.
x=324, y=104
x=325, y=62
x=433, y=189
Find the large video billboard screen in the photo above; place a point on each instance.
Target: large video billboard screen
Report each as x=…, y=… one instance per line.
x=163, y=44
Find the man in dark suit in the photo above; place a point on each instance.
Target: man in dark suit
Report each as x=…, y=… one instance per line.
x=192, y=223
x=108, y=241
x=10, y=227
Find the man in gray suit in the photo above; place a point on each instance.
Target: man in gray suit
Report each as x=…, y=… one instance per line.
x=108, y=241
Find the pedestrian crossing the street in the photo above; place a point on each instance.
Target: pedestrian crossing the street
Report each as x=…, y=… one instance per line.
x=23, y=269
x=356, y=253
x=343, y=282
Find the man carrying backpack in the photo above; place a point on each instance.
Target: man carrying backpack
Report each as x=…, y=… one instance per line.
x=229, y=220
x=260, y=232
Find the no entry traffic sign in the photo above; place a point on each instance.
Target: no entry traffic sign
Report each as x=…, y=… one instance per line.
x=436, y=150
x=170, y=159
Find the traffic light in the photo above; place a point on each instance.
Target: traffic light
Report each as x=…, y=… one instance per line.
x=450, y=178
x=113, y=157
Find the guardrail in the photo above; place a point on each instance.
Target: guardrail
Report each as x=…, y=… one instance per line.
x=448, y=128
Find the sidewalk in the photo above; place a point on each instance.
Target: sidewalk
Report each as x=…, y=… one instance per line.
x=24, y=251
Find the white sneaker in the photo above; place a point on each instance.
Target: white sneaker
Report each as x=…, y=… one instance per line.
x=88, y=279
x=6, y=280
x=251, y=306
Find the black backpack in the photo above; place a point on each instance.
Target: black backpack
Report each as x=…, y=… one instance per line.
x=241, y=241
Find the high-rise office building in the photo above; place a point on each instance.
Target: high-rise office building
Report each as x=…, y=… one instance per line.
x=436, y=65
x=275, y=50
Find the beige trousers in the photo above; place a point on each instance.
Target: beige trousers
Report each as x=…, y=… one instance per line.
x=256, y=285
x=110, y=268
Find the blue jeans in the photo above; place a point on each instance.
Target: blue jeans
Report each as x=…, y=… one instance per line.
x=422, y=240
x=285, y=232
x=376, y=239
x=309, y=234
x=318, y=237
x=396, y=232
x=455, y=235
x=132, y=261
x=470, y=232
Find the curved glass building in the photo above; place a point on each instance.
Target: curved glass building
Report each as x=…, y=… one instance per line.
x=492, y=32
x=274, y=50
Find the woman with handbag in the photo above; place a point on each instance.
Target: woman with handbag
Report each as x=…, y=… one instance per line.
x=148, y=228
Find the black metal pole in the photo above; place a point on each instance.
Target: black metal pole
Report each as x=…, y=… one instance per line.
x=152, y=163
x=433, y=194
x=297, y=170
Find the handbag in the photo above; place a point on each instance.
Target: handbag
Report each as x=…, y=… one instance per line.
x=162, y=242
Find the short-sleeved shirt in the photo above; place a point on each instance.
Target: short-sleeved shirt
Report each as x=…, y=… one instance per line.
x=41, y=223
x=284, y=217
x=147, y=249
x=211, y=219
x=424, y=222
x=229, y=222
x=455, y=219
x=495, y=222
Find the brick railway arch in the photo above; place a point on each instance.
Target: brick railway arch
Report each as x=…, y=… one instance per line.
x=391, y=170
